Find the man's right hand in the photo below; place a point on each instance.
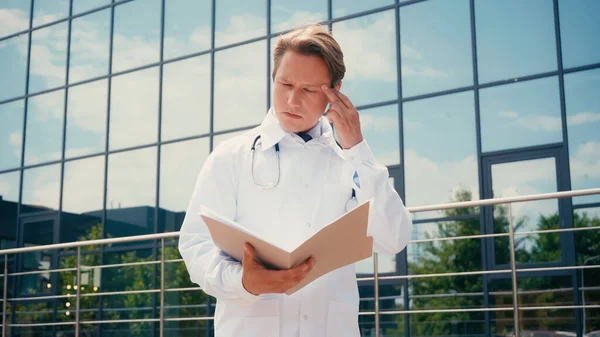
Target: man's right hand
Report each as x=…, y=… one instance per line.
x=257, y=279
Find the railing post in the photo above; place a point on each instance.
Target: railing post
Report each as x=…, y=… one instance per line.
x=513, y=268
x=162, y=287
x=376, y=275
x=77, y=291
x=4, y=296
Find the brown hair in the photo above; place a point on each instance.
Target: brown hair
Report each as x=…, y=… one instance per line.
x=312, y=40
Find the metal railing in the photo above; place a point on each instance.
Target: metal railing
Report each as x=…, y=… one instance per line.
x=376, y=277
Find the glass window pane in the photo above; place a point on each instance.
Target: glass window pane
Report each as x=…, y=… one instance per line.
x=131, y=193
x=177, y=181
x=587, y=243
x=186, y=98
x=520, y=114
x=240, y=86
x=440, y=168
x=368, y=44
x=11, y=131
x=239, y=21
x=380, y=129
x=15, y=14
x=526, y=46
x=47, y=11
x=187, y=27
x=134, y=109
x=43, y=140
x=218, y=139
x=90, y=39
x=525, y=178
x=41, y=188
x=9, y=197
x=461, y=255
x=86, y=119
x=89, y=173
x=48, y=57
x=347, y=7
x=579, y=26
x=136, y=40
x=436, y=46
x=13, y=53
x=287, y=14
x=583, y=123
x=80, y=6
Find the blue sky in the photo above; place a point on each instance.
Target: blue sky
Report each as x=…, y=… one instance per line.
x=436, y=53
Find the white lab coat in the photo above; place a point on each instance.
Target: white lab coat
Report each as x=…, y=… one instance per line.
x=315, y=184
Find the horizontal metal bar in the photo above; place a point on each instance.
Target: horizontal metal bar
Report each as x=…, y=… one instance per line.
x=124, y=292
x=507, y=200
x=561, y=230
x=35, y=272
x=139, y=320
x=26, y=325
x=180, y=319
x=39, y=298
x=174, y=261
x=561, y=307
x=431, y=311
x=461, y=237
x=183, y=289
x=523, y=270
x=127, y=264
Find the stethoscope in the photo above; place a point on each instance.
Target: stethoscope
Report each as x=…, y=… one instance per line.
x=351, y=204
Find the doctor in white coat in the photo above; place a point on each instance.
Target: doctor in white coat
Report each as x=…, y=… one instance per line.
x=285, y=180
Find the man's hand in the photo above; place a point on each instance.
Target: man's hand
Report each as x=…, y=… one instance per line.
x=257, y=280
x=344, y=117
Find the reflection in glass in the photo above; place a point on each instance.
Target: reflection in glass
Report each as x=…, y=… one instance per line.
x=579, y=26
x=136, y=41
x=134, y=109
x=440, y=151
x=80, y=6
x=47, y=11
x=218, y=139
x=48, y=57
x=16, y=16
x=177, y=181
x=526, y=46
x=131, y=192
x=11, y=134
x=587, y=250
x=90, y=283
x=345, y=7
x=37, y=233
x=186, y=98
x=583, y=123
x=240, y=86
x=13, y=53
x=9, y=197
x=368, y=44
x=288, y=14
x=460, y=255
x=33, y=312
x=41, y=186
x=528, y=111
x=43, y=140
x=237, y=21
x=83, y=185
x=391, y=325
x=187, y=27
x=86, y=119
x=436, y=47
x=380, y=129
x=90, y=38
x=526, y=178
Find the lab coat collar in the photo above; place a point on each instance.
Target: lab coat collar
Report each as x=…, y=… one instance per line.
x=271, y=133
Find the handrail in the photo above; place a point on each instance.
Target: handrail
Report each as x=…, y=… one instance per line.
x=512, y=270
x=417, y=209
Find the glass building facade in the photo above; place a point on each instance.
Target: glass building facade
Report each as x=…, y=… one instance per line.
x=108, y=110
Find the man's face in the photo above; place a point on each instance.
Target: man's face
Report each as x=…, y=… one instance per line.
x=297, y=95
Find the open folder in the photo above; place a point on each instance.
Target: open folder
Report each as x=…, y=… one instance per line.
x=340, y=243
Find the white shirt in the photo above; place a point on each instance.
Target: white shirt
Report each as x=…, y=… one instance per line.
x=316, y=182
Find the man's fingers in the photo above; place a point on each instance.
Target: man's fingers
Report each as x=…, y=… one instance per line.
x=344, y=99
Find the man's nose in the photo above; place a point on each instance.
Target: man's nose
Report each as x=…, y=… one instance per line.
x=293, y=98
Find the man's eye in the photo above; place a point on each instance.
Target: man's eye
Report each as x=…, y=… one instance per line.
x=286, y=84
x=308, y=90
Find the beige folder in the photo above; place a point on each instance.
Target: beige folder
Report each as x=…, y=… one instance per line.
x=342, y=242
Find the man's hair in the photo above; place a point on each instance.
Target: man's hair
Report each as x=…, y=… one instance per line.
x=312, y=40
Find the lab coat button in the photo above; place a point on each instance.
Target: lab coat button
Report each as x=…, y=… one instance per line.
x=306, y=185
x=308, y=224
x=305, y=317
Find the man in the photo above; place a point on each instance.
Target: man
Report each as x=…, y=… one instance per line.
x=296, y=181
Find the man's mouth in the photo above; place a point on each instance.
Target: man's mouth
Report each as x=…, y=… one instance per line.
x=291, y=115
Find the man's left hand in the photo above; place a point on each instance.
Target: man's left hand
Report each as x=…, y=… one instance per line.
x=344, y=117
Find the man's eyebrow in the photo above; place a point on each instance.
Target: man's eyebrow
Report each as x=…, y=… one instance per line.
x=283, y=79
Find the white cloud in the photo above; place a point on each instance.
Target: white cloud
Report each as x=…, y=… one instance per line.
x=378, y=123
x=13, y=20
x=297, y=19
x=534, y=123
x=583, y=118
x=409, y=52
x=422, y=71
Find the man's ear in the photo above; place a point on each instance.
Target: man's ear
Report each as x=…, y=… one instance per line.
x=338, y=86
